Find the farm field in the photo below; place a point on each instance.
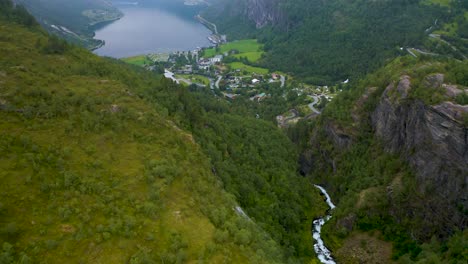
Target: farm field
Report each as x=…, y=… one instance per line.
x=249, y=48
x=139, y=60
x=247, y=68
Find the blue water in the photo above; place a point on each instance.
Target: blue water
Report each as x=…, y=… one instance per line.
x=152, y=28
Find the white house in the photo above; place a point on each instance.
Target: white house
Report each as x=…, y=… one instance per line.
x=216, y=59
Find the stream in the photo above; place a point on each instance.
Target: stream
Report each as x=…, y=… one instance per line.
x=323, y=253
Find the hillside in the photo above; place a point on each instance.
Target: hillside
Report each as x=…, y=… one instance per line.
x=324, y=42
x=102, y=162
x=392, y=150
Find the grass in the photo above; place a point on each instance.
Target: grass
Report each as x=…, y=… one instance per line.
x=439, y=2
x=194, y=78
x=249, y=48
x=247, y=68
x=139, y=60
x=251, y=56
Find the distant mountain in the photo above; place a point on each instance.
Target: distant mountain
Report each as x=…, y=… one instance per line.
x=329, y=41
x=72, y=20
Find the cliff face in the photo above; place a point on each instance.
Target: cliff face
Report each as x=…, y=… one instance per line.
x=258, y=12
x=433, y=139
x=263, y=12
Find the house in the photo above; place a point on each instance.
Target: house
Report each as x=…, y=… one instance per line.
x=216, y=59
x=275, y=76
x=255, y=81
x=187, y=69
x=258, y=97
x=230, y=96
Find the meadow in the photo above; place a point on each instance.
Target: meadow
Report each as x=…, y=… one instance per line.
x=248, y=48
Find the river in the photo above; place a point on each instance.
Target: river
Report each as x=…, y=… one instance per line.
x=323, y=253
x=152, y=27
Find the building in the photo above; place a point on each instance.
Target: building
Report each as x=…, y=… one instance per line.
x=258, y=97
x=216, y=59
x=230, y=96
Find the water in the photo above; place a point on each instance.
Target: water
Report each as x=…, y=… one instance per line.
x=152, y=27
x=323, y=253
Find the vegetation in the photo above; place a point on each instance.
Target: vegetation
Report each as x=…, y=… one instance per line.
x=376, y=192
x=103, y=161
x=239, y=46
x=140, y=60
x=249, y=69
x=329, y=41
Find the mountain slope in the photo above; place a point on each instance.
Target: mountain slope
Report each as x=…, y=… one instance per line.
x=94, y=171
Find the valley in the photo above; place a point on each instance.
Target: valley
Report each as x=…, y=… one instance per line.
x=221, y=131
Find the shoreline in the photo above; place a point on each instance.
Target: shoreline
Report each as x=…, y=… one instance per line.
x=93, y=27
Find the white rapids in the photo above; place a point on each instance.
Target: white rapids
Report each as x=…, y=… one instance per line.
x=323, y=253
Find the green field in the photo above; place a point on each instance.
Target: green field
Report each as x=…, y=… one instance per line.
x=251, y=56
x=249, y=48
x=248, y=68
x=440, y=2
x=194, y=78
x=139, y=60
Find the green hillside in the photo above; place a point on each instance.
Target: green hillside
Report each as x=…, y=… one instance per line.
x=103, y=162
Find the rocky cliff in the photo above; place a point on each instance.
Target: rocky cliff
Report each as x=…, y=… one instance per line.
x=263, y=12
x=433, y=139
x=258, y=12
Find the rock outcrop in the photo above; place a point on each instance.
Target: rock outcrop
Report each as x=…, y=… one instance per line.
x=263, y=12
x=259, y=12
x=432, y=138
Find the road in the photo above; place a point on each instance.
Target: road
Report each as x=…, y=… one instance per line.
x=283, y=80
x=204, y=21
x=170, y=75
x=312, y=105
x=217, y=81
x=412, y=53
x=435, y=36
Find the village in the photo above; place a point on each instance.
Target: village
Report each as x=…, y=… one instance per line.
x=229, y=71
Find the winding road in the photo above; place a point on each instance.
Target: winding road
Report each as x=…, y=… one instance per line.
x=315, y=102
x=217, y=81
x=283, y=80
